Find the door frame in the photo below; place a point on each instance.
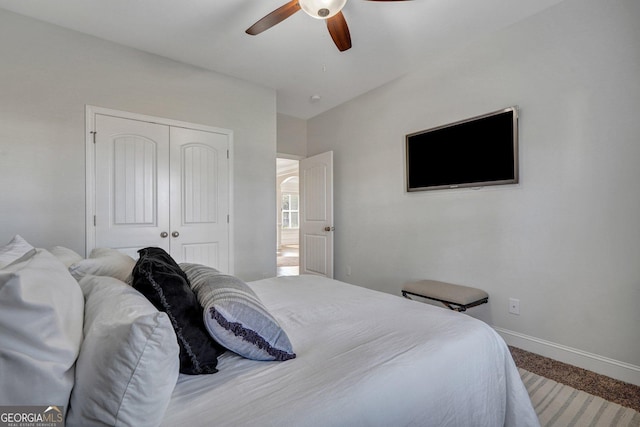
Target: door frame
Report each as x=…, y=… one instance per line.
x=90, y=167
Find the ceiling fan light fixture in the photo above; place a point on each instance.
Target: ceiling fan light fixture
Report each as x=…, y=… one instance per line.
x=322, y=9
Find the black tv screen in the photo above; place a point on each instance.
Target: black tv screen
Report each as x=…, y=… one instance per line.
x=475, y=152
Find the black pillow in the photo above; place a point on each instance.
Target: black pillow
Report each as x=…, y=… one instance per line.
x=157, y=276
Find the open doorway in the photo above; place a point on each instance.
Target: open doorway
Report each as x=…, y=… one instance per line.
x=288, y=217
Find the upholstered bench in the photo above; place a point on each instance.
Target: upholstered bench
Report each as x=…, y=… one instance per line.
x=456, y=297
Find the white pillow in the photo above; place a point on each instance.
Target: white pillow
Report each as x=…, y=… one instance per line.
x=129, y=360
x=104, y=262
x=41, y=314
x=13, y=250
x=67, y=256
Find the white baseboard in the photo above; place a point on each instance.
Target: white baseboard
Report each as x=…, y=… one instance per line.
x=602, y=365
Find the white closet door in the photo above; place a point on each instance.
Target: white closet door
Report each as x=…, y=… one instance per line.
x=165, y=186
x=199, y=197
x=132, y=181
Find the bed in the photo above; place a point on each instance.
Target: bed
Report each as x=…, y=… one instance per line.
x=364, y=358
x=103, y=354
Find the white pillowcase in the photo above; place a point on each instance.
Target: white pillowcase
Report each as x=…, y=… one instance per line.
x=13, y=250
x=66, y=255
x=41, y=315
x=104, y=262
x=129, y=360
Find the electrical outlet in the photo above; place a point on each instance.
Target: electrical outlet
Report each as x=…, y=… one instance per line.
x=514, y=306
x=348, y=270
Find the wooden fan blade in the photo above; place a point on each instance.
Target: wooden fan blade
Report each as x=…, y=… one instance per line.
x=339, y=31
x=275, y=17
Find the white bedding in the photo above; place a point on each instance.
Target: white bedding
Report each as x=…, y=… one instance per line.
x=364, y=358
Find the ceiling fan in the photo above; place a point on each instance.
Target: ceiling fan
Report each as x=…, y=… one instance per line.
x=328, y=10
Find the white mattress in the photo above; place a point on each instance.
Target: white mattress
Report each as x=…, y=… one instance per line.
x=364, y=358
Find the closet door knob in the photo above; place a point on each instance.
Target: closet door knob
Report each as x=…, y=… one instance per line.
x=175, y=234
x=164, y=234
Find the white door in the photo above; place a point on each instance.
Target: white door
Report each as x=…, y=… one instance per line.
x=198, y=197
x=132, y=182
x=164, y=186
x=316, y=215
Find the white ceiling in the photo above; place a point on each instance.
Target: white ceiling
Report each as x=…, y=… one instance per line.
x=297, y=57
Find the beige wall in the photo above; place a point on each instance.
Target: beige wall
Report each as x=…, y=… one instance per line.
x=292, y=136
x=48, y=75
x=566, y=240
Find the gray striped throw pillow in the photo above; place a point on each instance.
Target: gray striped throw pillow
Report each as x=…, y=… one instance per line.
x=235, y=317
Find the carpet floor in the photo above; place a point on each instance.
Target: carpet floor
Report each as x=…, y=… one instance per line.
x=565, y=395
x=559, y=405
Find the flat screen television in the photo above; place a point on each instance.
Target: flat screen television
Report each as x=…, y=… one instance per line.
x=475, y=152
